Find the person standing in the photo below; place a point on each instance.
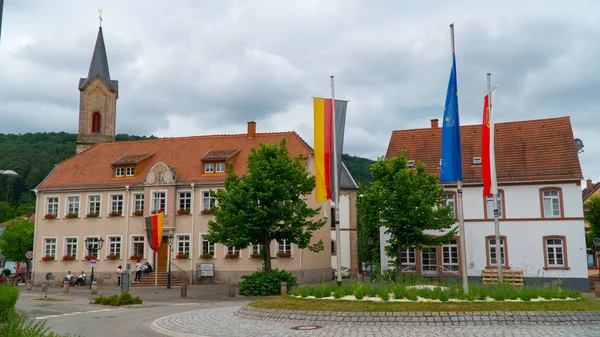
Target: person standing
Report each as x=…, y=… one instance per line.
x=138, y=272
x=119, y=272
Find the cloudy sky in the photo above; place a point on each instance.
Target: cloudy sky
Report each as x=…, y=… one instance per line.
x=202, y=67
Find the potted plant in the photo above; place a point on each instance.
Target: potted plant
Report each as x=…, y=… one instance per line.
x=138, y=212
x=284, y=255
x=136, y=257
x=206, y=256
x=90, y=257
x=206, y=212
x=182, y=256
x=48, y=258
x=114, y=213
x=232, y=255
x=255, y=256
x=92, y=215
x=183, y=211
x=49, y=216
x=154, y=211
x=113, y=257
x=68, y=257
x=71, y=215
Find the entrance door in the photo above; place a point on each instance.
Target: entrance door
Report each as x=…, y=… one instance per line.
x=163, y=255
x=429, y=261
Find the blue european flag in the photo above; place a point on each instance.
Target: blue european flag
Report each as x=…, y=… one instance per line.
x=451, y=169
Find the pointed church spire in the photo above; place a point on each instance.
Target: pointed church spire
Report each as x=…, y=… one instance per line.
x=99, y=65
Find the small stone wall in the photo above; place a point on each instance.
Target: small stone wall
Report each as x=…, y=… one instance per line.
x=478, y=318
x=103, y=278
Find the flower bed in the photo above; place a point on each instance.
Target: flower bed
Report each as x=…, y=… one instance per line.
x=157, y=211
x=232, y=255
x=255, y=256
x=206, y=256
x=49, y=216
x=92, y=215
x=136, y=257
x=91, y=257
x=71, y=215
x=68, y=257
x=113, y=257
x=182, y=256
x=114, y=213
x=286, y=255
x=206, y=212
x=138, y=213
x=48, y=258
x=183, y=211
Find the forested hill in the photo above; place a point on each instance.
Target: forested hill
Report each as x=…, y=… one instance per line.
x=33, y=155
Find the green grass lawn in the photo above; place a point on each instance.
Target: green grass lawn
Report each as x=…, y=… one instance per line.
x=289, y=303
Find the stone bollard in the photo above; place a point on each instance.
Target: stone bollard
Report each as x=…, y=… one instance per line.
x=184, y=290
x=232, y=290
x=597, y=289
x=66, y=286
x=94, y=288
x=44, y=285
x=283, y=288
x=28, y=285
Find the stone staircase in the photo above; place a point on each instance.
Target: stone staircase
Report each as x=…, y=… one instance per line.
x=148, y=280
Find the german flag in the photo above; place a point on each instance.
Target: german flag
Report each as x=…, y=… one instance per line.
x=154, y=228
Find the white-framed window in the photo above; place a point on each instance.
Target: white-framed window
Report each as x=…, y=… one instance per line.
x=284, y=246
x=555, y=252
x=71, y=246
x=489, y=204
x=256, y=249
x=185, y=200
x=93, y=243
x=50, y=247
x=183, y=244
x=114, y=245
x=206, y=247
x=159, y=200
x=220, y=167
x=207, y=200
x=73, y=205
x=116, y=203
x=450, y=256
x=52, y=206
x=551, y=203
x=407, y=257
x=138, y=202
x=137, y=245
x=209, y=168
x=231, y=250
x=448, y=200
x=94, y=204
x=492, y=257
x=130, y=171
x=119, y=172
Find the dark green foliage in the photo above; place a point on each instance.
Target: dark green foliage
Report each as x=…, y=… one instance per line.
x=359, y=169
x=6, y=271
x=16, y=240
x=19, y=325
x=8, y=300
x=260, y=283
x=115, y=300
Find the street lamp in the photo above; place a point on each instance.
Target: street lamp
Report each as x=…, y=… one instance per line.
x=7, y=173
x=370, y=242
x=93, y=246
x=171, y=237
x=360, y=238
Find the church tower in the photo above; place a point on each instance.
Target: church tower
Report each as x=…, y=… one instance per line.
x=97, y=101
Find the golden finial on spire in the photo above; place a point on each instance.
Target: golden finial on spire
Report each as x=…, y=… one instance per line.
x=100, y=17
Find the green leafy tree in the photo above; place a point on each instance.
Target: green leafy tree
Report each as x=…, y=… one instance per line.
x=16, y=240
x=407, y=202
x=592, y=214
x=7, y=212
x=266, y=203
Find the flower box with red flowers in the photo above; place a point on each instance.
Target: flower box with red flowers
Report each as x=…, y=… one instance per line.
x=68, y=258
x=48, y=258
x=154, y=211
x=286, y=255
x=138, y=213
x=255, y=256
x=182, y=256
x=232, y=256
x=71, y=215
x=91, y=257
x=49, y=216
x=136, y=257
x=206, y=256
x=206, y=212
x=114, y=213
x=183, y=211
x=92, y=215
x=113, y=257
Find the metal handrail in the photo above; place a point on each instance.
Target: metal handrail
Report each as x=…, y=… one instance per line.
x=180, y=273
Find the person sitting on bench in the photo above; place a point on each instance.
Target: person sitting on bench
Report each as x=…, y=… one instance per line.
x=80, y=279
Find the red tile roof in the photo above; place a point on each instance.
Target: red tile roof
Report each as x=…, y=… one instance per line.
x=92, y=168
x=218, y=154
x=542, y=149
x=130, y=159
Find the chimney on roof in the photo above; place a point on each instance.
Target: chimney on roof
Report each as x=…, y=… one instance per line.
x=590, y=185
x=434, y=123
x=251, y=129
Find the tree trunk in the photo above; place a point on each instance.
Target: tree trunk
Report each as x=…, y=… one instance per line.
x=398, y=256
x=267, y=253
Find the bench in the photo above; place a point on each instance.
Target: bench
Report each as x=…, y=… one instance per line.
x=512, y=277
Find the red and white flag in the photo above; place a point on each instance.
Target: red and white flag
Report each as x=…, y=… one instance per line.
x=486, y=143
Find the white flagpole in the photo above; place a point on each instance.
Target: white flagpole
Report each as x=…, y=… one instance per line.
x=336, y=183
x=494, y=181
x=461, y=220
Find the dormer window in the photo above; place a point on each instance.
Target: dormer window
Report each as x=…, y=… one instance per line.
x=220, y=167
x=119, y=172
x=130, y=171
x=209, y=168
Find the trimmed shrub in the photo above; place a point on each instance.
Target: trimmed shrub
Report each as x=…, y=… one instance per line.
x=384, y=294
x=261, y=284
x=8, y=300
x=359, y=293
x=116, y=300
x=6, y=272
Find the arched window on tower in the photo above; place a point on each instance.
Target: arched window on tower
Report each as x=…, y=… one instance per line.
x=96, y=122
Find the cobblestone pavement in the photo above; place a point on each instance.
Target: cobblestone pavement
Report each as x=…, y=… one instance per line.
x=225, y=322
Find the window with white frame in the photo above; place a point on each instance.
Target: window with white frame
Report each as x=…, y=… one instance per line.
x=551, y=203
x=183, y=244
x=114, y=245
x=52, y=206
x=232, y=250
x=489, y=203
x=93, y=245
x=209, y=168
x=94, y=204
x=257, y=249
x=220, y=167
x=284, y=246
x=130, y=171
x=448, y=200
x=450, y=256
x=555, y=252
x=116, y=203
x=137, y=245
x=71, y=247
x=207, y=200
x=138, y=202
x=185, y=200
x=50, y=247
x=492, y=258
x=119, y=172
x=159, y=200
x=207, y=246
x=407, y=258
x=73, y=205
